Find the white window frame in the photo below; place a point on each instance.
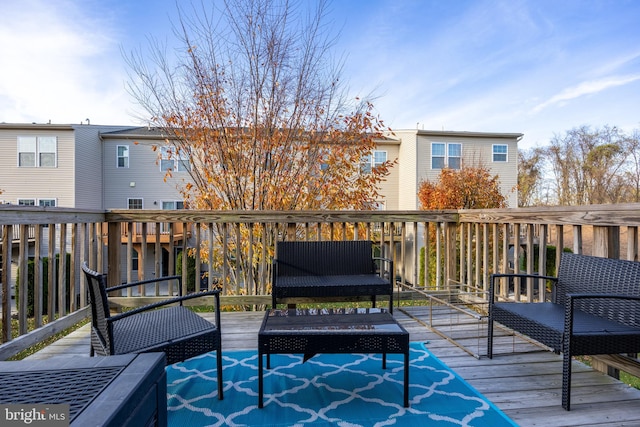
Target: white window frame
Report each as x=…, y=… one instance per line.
x=170, y=159
x=40, y=147
x=134, y=199
x=370, y=161
x=447, y=157
x=169, y=205
x=124, y=157
x=26, y=202
x=48, y=202
x=172, y=205
x=495, y=153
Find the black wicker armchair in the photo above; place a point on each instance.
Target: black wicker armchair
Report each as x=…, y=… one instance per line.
x=166, y=326
x=595, y=309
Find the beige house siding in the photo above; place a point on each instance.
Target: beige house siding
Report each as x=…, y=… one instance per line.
x=389, y=187
x=37, y=182
x=409, y=165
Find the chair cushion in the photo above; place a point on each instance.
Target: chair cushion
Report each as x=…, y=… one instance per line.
x=154, y=329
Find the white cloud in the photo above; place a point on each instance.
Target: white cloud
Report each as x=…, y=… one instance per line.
x=61, y=62
x=586, y=88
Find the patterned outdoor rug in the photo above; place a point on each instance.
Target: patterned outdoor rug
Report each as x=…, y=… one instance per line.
x=345, y=390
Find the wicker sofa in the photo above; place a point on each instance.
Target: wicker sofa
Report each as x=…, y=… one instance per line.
x=594, y=309
x=329, y=270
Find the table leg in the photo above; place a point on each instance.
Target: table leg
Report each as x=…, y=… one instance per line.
x=260, y=379
x=406, y=379
x=384, y=360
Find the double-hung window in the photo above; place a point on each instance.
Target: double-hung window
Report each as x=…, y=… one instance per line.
x=499, y=152
x=171, y=159
x=122, y=156
x=446, y=155
x=37, y=151
x=134, y=203
x=40, y=202
x=370, y=161
x=170, y=205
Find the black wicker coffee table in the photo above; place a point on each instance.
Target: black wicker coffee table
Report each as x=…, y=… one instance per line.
x=114, y=391
x=312, y=331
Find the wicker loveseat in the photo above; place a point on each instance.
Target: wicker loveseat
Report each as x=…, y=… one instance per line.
x=594, y=309
x=166, y=326
x=329, y=270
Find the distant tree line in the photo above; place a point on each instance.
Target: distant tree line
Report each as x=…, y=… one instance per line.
x=581, y=167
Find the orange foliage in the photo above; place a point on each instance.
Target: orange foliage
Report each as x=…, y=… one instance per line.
x=466, y=188
x=261, y=167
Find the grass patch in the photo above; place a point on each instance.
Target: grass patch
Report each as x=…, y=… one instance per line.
x=630, y=379
x=625, y=377
x=42, y=344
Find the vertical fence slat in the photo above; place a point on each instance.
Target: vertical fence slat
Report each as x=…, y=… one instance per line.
x=37, y=277
x=62, y=271
x=7, y=239
x=157, y=255
x=22, y=286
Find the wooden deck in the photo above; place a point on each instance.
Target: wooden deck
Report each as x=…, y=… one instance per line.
x=523, y=379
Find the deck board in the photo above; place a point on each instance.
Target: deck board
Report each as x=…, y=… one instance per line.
x=523, y=379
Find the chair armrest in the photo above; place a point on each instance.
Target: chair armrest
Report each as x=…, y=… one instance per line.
x=571, y=298
x=215, y=293
x=602, y=296
x=145, y=282
x=495, y=276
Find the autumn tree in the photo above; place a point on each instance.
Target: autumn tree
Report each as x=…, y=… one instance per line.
x=465, y=188
x=254, y=100
x=255, y=103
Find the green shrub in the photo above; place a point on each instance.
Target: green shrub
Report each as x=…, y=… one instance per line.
x=45, y=284
x=191, y=271
x=551, y=259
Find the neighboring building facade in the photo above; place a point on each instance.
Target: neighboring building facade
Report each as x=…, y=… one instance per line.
x=79, y=166
x=422, y=154
x=88, y=167
x=114, y=167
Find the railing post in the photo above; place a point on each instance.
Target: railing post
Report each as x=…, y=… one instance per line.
x=7, y=238
x=450, y=253
x=113, y=253
x=23, y=285
x=632, y=243
x=606, y=241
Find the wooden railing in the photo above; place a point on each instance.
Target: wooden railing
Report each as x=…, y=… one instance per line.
x=235, y=250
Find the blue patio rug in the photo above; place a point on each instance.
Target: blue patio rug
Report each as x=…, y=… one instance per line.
x=346, y=390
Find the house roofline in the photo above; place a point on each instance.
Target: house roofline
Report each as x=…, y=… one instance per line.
x=37, y=126
x=507, y=135
x=137, y=132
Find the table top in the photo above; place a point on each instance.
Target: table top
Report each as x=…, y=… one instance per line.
x=77, y=381
x=328, y=321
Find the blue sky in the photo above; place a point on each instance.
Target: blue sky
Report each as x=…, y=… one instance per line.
x=539, y=67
